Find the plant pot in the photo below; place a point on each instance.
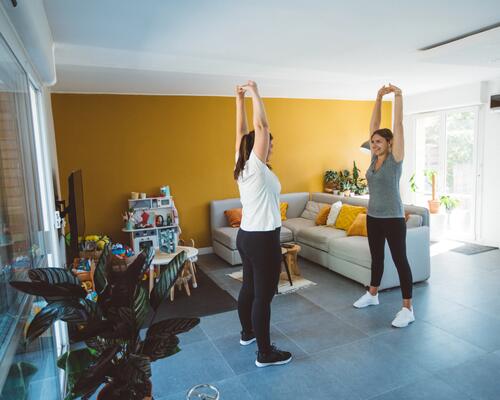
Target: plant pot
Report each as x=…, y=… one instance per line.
x=346, y=193
x=106, y=393
x=336, y=192
x=434, y=206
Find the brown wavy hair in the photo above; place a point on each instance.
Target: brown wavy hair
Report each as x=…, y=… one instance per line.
x=246, y=147
x=385, y=133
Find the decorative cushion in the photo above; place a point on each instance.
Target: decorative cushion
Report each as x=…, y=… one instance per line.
x=334, y=213
x=283, y=208
x=233, y=217
x=323, y=215
x=358, y=227
x=347, y=216
x=312, y=210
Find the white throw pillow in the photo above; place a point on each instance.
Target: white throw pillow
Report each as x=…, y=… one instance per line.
x=312, y=209
x=334, y=213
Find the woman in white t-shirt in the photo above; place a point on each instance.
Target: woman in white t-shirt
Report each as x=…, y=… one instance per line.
x=258, y=240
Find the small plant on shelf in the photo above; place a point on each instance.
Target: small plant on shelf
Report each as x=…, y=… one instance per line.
x=449, y=203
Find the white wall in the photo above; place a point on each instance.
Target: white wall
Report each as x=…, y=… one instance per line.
x=490, y=210
x=488, y=223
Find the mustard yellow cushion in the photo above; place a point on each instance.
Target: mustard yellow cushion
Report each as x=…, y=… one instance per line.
x=347, y=216
x=233, y=217
x=358, y=227
x=283, y=208
x=323, y=215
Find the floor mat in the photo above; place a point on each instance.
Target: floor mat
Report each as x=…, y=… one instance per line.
x=284, y=286
x=472, y=248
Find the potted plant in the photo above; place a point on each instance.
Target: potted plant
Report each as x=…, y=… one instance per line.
x=434, y=203
x=359, y=185
x=116, y=355
x=449, y=203
x=331, y=180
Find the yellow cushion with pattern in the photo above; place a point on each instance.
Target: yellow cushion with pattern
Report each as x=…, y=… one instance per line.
x=323, y=215
x=358, y=227
x=283, y=208
x=347, y=216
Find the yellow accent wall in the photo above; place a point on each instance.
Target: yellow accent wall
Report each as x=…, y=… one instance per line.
x=126, y=143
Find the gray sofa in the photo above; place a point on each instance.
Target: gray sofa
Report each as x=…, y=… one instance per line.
x=330, y=247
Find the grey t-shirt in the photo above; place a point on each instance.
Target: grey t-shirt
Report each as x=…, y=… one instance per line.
x=385, y=200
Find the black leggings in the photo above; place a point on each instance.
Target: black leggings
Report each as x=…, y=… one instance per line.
x=261, y=256
x=394, y=230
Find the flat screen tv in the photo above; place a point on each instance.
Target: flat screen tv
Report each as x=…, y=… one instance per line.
x=76, y=213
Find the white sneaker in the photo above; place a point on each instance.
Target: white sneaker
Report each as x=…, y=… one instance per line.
x=366, y=300
x=403, y=318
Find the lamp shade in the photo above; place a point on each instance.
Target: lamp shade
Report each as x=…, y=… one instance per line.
x=365, y=147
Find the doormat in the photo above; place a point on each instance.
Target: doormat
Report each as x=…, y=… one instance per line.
x=472, y=248
x=284, y=285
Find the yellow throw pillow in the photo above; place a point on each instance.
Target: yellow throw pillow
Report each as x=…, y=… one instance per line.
x=358, y=227
x=347, y=216
x=283, y=208
x=323, y=215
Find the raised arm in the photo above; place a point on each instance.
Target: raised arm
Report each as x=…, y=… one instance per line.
x=241, y=117
x=398, y=143
x=260, y=124
x=377, y=110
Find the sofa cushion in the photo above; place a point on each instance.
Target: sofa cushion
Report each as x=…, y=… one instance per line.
x=312, y=210
x=227, y=236
x=296, y=224
x=319, y=236
x=354, y=249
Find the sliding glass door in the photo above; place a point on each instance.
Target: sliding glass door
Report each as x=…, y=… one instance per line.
x=446, y=144
x=27, y=370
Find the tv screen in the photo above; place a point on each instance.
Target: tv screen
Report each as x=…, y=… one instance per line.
x=495, y=102
x=76, y=213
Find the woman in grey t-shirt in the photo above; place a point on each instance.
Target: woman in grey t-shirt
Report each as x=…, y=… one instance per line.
x=385, y=218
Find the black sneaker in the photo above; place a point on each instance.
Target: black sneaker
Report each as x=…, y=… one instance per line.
x=273, y=357
x=247, y=338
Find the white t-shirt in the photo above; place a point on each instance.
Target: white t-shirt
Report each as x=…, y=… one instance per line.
x=260, y=196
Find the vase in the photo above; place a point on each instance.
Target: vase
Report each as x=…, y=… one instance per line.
x=434, y=206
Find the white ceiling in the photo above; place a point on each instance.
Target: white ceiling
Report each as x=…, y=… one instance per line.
x=292, y=48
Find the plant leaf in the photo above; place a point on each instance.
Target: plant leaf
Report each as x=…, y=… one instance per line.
x=75, y=363
x=63, y=290
x=100, y=280
x=96, y=374
x=172, y=326
x=141, y=305
x=53, y=275
x=157, y=347
x=168, y=275
x=67, y=310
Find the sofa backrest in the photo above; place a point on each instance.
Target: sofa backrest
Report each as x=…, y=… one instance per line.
x=296, y=204
x=358, y=201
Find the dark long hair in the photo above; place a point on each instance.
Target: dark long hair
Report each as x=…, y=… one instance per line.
x=246, y=147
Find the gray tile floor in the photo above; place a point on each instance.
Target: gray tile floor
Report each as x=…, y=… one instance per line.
x=452, y=351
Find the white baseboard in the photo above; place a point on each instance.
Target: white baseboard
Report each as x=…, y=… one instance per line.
x=205, y=250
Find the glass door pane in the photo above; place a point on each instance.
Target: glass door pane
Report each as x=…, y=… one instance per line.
x=461, y=171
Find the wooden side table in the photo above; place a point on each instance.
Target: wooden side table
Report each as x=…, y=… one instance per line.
x=290, y=255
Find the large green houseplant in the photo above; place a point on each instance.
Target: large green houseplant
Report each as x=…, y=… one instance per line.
x=116, y=354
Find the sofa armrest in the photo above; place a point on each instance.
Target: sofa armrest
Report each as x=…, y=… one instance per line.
x=418, y=252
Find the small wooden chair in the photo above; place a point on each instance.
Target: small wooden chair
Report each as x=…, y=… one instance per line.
x=188, y=273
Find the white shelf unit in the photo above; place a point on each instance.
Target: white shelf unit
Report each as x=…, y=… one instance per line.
x=164, y=236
